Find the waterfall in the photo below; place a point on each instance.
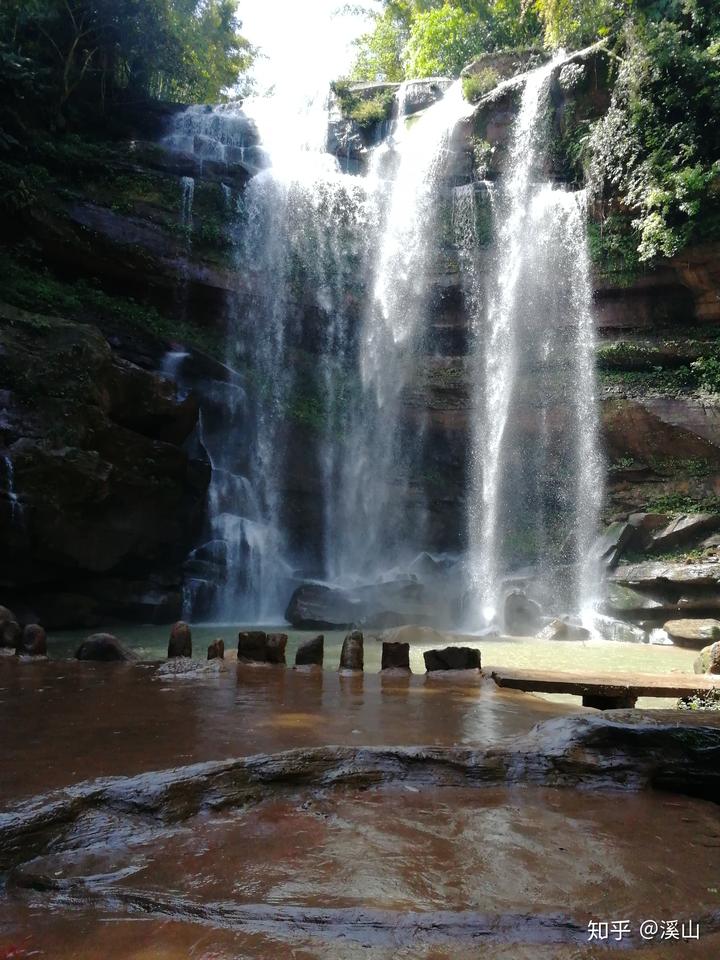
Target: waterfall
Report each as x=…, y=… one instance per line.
x=535, y=468
x=380, y=522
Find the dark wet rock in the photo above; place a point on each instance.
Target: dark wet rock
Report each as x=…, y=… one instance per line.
x=352, y=655
x=624, y=602
x=256, y=646
x=522, y=617
x=108, y=491
x=647, y=525
x=216, y=650
x=692, y=633
x=564, y=630
x=619, y=631
x=452, y=658
x=105, y=648
x=180, y=643
x=395, y=656
x=275, y=646
x=314, y=606
x=33, y=642
x=252, y=646
x=311, y=652
x=659, y=574
x=7, y=614
x=378, y=605
x=709, y=659
x=685, y=530
x=10, y=633
x=617, y=539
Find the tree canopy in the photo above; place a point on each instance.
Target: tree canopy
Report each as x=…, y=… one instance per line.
x=58, y=54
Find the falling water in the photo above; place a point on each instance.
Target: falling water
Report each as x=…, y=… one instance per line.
x=535, y=473
x=16, y=509
x=374, y=531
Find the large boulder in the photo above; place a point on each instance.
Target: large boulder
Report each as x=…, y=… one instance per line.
x=180, y=642
x=352, y=658
x=619, y=631
x=693, y=633
x=310, y=653
x=314, y=606
x=452, y=658
x=33, y=642
x=105, y=648
x=522, y=617
x=709, y=659
x=564, y=630
x=391, y=603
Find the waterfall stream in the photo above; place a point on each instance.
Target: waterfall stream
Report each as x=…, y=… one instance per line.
x=318, y=458
x=535, y=485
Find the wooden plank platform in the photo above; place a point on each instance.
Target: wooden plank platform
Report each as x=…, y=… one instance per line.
x=605, y=690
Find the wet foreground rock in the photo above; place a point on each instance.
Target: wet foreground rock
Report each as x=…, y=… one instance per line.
x=33, y=642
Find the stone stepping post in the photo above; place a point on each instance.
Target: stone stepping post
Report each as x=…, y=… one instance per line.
x=216, y=650
x=352, y=658
x=256, y=646
x=396, y=656
x=180, y=642
x=311, y=653
x=452, y=658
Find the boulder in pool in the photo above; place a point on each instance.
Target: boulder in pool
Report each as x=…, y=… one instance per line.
x=33, y=642
x=180, y=642
x=564, y=630
x=310, y=653
x=452, y=658
x=104, y=648
x=352, y=656
x=315, y=606
x=693, y=633
x=522, y=617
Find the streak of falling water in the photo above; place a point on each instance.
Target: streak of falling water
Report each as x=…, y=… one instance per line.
x=535, y=469
x=16, y=509
x=373, y=530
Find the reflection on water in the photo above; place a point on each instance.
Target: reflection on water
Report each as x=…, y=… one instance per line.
x=74, y=721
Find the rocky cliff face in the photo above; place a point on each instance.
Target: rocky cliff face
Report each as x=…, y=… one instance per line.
x=103, y=476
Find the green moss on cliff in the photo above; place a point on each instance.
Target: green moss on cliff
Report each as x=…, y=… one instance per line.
x=34, y=289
